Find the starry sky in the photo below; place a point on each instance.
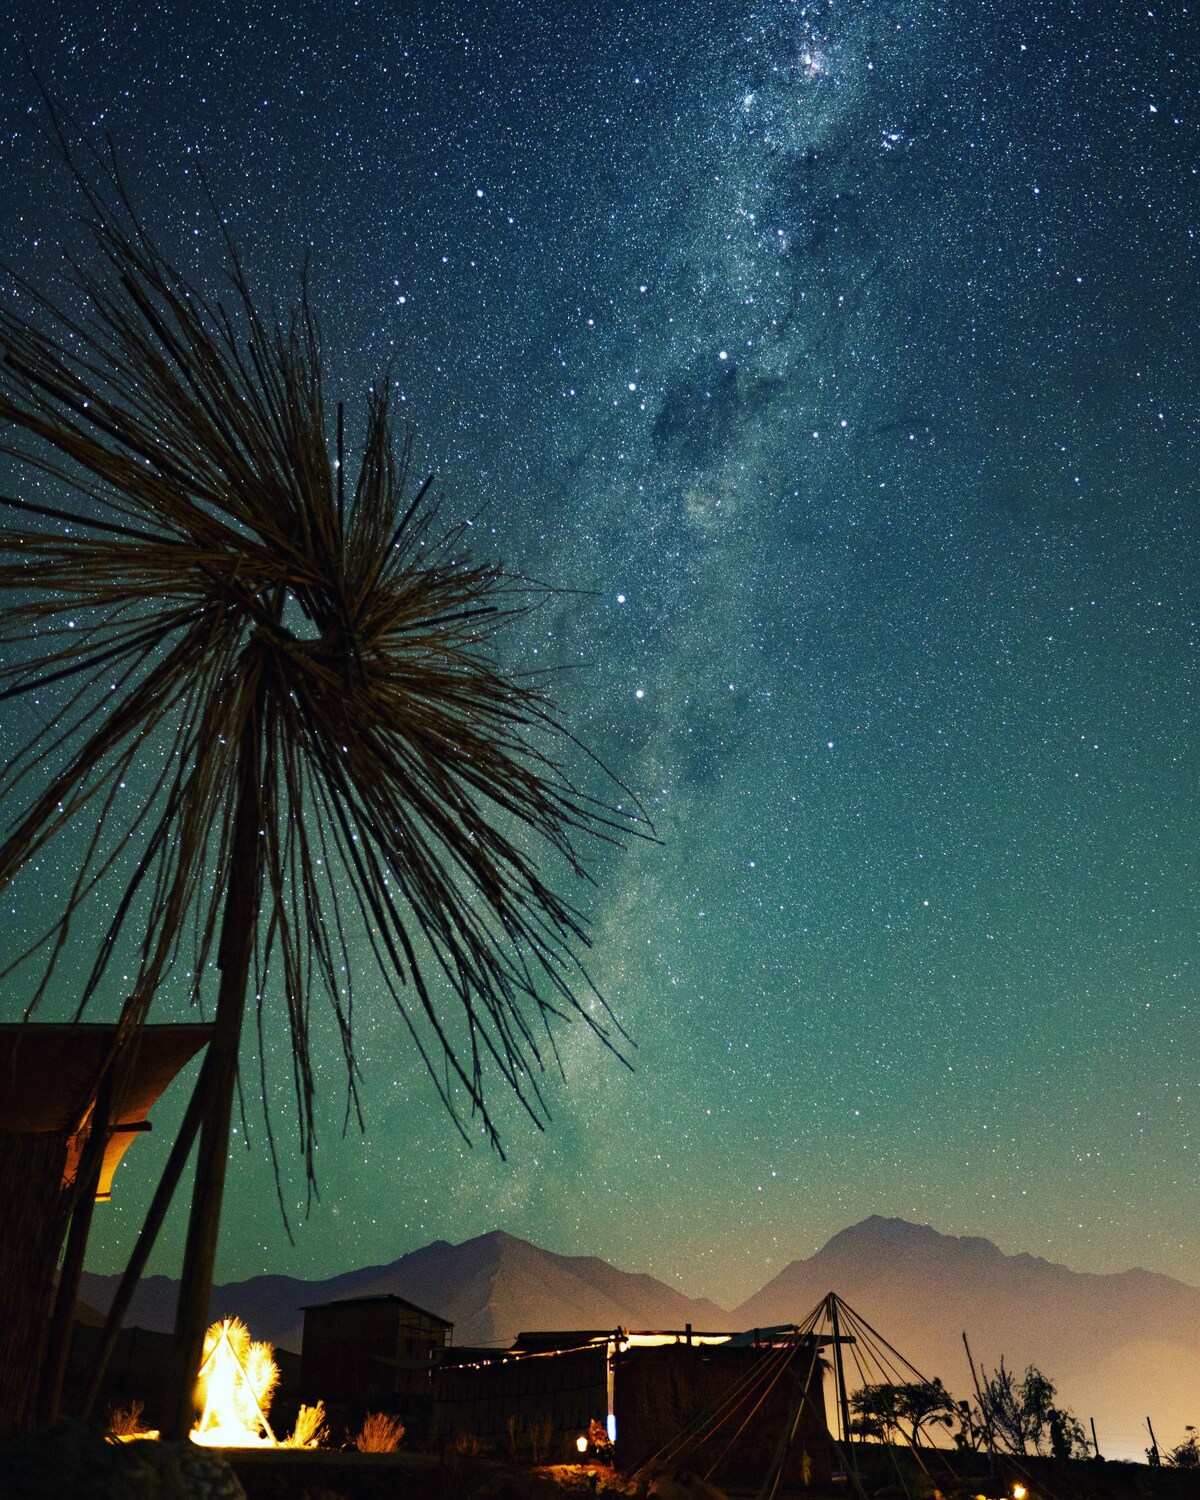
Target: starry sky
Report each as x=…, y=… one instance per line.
x=842, y=359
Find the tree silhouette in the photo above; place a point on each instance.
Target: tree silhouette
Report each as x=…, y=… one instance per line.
x=886, y=1410
x=1185, y=1455
x=1022, y=1416
x=275, y=709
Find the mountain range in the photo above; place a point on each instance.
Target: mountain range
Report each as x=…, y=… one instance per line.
x=1119, y=1347
x=491, y=1288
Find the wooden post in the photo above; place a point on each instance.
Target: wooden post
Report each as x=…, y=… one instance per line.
x=843, y=1402
x=32, y=1226
x=239, y=924
x=155, y=1215
x=87, y=1177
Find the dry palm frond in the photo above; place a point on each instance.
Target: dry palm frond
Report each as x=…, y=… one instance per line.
x=262, y=1373
x=191, y=594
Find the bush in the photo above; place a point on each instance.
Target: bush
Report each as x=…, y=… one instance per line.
x=310, y=1430
x=1187, y=1454
x=599, y=1442
x=380, y=1433
x=126, y=1421
x=530, y=1440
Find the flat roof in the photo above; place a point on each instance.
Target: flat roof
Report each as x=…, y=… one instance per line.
x=381, y=1297
x=545, y=1341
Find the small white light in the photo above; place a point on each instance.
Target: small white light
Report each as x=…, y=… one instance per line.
x=581, y=1443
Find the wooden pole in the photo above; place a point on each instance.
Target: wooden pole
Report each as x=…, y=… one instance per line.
x=155, y=1216
x=62, y=1322
x=238, y=927
x=32, y=1227
x=843, y=1401
x=770, y=1487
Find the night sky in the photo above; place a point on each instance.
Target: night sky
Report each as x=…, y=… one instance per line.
x=843, y=358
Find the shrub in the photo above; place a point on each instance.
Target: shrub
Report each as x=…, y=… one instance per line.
x=531, y=1440
x=599, y=1441
x=310, y=1430
x=541, y=1431
x=126, y=1421
x=380, y=1433
x=1187, y=1454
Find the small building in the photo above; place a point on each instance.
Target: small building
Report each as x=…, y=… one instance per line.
x=371, y=1354
x=732, y=1404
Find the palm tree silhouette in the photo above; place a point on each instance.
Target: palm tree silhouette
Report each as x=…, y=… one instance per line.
x=302, y=686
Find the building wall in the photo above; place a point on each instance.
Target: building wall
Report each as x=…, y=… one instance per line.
x=660, y=1392
x=506, y=1401
x=344, y=1344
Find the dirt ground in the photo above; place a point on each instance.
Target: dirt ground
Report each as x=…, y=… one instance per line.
x=417, y=1476
x=74, y=1462
x=354, y=1476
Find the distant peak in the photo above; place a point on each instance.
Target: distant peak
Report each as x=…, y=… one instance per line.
x=498, y=1239
x=880, y=1236
x=877, y=1230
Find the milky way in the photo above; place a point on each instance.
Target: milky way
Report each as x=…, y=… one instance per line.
x=841, y=360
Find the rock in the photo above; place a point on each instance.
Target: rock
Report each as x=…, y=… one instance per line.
x=72, y=1461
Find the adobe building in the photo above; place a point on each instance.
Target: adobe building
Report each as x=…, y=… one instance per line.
x=729, y=1403
x=369, y=1354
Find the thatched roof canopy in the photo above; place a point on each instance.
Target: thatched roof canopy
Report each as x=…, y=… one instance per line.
x=49, y=1076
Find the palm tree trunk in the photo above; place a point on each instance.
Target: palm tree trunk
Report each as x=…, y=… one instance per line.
x=238, y=927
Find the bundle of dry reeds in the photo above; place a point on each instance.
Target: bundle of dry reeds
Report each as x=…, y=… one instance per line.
x=276, y=709
x=189, y=578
